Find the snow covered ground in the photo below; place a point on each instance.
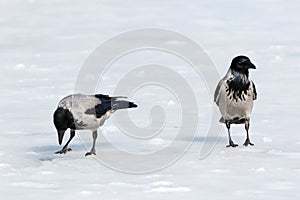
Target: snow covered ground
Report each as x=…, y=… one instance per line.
x=43, y=45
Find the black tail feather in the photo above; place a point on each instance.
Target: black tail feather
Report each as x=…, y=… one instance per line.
x=123, y=105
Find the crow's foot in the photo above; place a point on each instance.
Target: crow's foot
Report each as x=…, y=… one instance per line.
x=90, y=153
x=232, y=144
x=63, y=151
x=247, y=141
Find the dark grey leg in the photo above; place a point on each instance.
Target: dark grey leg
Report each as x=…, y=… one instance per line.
x=93, y=150
x=65, y=149
x=231, y=143
x=247, y=125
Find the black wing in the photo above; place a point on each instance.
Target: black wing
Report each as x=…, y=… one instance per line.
x=217, y=92
x=254, y=91
x=108, y=103
x=102, y=96
x=100, y=109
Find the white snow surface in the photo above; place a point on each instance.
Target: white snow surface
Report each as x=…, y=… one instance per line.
x=43, y=44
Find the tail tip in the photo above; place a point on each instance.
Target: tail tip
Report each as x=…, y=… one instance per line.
x=132, y=105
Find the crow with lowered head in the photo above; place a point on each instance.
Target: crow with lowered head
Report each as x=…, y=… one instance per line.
x=85, y=112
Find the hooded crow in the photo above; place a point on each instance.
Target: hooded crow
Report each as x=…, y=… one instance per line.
x=234, y=96
x=85, y=112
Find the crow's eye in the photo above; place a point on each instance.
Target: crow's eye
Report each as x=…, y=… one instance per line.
x=243, y=62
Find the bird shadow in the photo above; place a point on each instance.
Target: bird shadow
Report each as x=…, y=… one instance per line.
x=208, y=139
x=43, y=149
x=47, y=152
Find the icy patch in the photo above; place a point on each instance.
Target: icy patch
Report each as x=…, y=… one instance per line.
x=86, y=192
x=277, y=59
x=162, y=183
x=266, y=121
x=221, y=171
x=34, y=185
x=267, y=139
x=291, y=155
x=175, y=42
x=280, y=186
x=3, y=165
x=8, y=174
x=154, y=176
x=20, y=66
x=104, y=78
x=123, y=184
x=247, y=192
x=109, y=129
x=166, y=186
x=31, y=153
x=297, y=170
x=170, y=189
x=47, y=172
x=171, y=103
x=158, y=142
x=258, y=170
x=253, y=149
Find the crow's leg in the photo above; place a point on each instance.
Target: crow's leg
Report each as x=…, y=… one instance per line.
x=247, y=125
x=65, y=149
x=231, y=143
x=93, y=151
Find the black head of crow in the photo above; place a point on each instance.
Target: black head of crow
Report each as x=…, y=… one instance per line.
x=63, y=119
x=242, y=64
x=85, y=112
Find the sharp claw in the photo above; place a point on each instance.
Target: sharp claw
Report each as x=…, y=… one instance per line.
x=63, y=151
x=247, y=142
x=231, y=144
x=90, y=153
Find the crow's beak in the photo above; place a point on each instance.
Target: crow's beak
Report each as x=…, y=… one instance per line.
x=251, y=66
x=60, y=136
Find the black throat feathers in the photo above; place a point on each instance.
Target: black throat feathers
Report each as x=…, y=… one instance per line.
x=238, y=85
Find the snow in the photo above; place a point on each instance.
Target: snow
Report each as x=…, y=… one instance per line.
x=43, y=45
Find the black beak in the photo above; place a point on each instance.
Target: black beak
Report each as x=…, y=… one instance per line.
x=60, y=136
x=251, y=66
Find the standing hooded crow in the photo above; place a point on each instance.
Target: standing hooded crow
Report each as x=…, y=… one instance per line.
x=234, y=96
x=85, y=112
